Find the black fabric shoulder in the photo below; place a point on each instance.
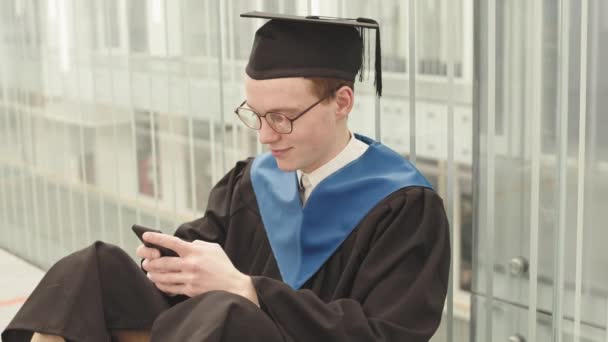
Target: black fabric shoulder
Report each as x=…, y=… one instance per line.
x=228, y=196
x=411, y=202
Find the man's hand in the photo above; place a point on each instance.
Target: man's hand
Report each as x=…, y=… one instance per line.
x=201, y=267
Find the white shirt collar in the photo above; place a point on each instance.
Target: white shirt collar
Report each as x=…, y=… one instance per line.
x=353, y=150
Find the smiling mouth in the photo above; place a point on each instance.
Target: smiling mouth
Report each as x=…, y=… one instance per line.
x=279, y=152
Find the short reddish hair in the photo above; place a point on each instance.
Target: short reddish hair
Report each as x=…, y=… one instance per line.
x=326, y=87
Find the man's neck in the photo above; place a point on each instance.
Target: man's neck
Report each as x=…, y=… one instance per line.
x=342, y=140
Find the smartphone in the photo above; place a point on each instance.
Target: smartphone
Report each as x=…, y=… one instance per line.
x=140, y=230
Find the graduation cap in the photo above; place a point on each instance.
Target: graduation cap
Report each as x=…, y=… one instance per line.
x=312, y=46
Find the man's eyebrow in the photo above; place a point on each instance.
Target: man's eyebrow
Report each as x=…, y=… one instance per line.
x=278, y=109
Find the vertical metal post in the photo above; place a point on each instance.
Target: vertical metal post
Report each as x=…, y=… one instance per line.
x=412, y=77
x=582, y=137
x=102, y=216
x=534, y=81
x=116, y=145
x=220, y=64
x=451, y=172
x=562, y=166
x=490, y=155
x=133, y=132
x=81, y=131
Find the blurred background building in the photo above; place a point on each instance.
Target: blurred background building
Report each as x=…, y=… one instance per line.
x=114, y=112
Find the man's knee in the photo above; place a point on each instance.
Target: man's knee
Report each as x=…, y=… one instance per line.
x=108, y=250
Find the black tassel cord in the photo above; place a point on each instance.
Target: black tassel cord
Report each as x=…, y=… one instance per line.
x=378, y=57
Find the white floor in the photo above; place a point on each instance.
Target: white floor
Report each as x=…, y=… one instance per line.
x=18, y=279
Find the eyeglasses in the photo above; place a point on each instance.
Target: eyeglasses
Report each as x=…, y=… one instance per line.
x=279, y=122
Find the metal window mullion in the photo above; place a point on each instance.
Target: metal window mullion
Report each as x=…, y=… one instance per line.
x=70, y=189
x=33, y=181
x=220, y=51
x=100, y=198
x=133, y=128
x=192, y=165
x=7, y=99
x=593, y=111
x=47, y=206
x=59, y=202
x=149, y=111
x=174, y=146
x=490, y=177
x=211, y=121
x=12, y=215
x=5, y=241
x=21, y=145
x=16, y=240
x=154, y=168
x=412, y=77
x=581, y=171
x=31, y=169
x=232, y=62
x=451, y=172
x=4, y=188
x=4, y=228
x=65, y=144
x=535, y=82
x=171, y=144
x=155, y=165
x=81, y=131
x=562, y=169
x=185, y=74
x=11, y=102
x=119, y=229
x=214, y=173
x=10, y=239
x=47, y=182
x=21, y=170
x=4, y=185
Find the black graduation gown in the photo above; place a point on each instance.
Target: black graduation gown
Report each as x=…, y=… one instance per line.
x=386, y=282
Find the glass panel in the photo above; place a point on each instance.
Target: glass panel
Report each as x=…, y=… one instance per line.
x=534, y=69
x=113, y=112
x=511, y=322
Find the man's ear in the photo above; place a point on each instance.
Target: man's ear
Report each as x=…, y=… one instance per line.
x=345, y=99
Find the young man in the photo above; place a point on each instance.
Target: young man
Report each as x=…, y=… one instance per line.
x=328, y=237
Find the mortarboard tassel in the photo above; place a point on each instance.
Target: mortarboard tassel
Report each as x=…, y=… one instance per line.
x=362, y=34
x=378, y=66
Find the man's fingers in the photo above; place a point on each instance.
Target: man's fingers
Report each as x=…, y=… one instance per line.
x=171, y=278
x=147, y=253
x=164, y=265
x=178, y=245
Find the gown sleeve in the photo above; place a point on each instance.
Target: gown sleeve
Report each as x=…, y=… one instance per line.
x=398, y=293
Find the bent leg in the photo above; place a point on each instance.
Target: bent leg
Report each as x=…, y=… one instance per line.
x=213, y=317
x=87, y=293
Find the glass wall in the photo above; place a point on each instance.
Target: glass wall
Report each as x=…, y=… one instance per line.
x=114, y=112
x=541, y=172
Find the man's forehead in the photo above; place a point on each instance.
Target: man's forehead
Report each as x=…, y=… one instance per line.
x=281, y=94
x=284, y=83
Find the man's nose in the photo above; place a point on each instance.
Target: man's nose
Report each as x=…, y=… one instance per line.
x=266, y=134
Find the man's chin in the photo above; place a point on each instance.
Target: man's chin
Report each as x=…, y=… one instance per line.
x=285, y=166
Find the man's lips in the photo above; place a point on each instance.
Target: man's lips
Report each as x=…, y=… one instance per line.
x=277, y=152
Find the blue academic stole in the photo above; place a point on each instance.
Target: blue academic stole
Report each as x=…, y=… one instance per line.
x=303, y=238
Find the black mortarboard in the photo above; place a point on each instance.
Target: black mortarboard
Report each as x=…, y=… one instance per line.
x=313, y=46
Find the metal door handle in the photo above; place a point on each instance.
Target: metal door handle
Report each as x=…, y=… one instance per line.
x=516, y=338
x=518, y=266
